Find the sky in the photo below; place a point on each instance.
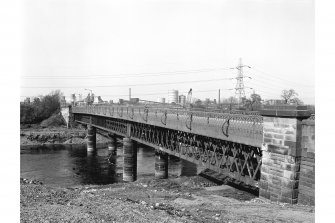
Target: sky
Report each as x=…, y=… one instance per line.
x=156, y=46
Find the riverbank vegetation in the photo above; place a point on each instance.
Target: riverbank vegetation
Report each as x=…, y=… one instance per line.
x=41, y=108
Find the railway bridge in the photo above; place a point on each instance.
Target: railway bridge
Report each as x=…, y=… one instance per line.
x=260, y=149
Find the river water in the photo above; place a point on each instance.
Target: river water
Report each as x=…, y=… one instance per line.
x=69, y=165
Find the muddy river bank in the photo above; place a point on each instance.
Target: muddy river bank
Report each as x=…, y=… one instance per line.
x=36, y=135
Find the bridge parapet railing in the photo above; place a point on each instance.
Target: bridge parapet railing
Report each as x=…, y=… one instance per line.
x=244, y=128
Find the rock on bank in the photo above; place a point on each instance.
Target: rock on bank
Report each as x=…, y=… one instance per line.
x=55, y=135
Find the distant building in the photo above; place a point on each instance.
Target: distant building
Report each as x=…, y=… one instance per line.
x=73, y=98
x=63, y=102
x=161, y=100
x=274, y=102
x=134, y=100
x=182, y=100
x=207, y=101
x=173, y=96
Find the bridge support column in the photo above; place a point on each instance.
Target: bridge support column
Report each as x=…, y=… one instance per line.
x=112, y=145
x=129, y=160
x=281, y=153
x=91, y=138
x=161, y=164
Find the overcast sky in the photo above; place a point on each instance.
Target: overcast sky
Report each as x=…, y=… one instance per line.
x=109, y=46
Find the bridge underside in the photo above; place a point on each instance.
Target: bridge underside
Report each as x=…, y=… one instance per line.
x=239, y=161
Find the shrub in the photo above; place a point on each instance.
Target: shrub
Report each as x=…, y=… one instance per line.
x=54, y=120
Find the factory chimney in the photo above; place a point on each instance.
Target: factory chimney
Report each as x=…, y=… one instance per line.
x=129, y=94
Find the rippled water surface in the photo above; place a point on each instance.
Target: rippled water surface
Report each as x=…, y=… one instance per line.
x=68, y=165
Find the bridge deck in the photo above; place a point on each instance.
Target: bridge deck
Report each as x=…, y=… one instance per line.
x=240, y=128
x=227, y=143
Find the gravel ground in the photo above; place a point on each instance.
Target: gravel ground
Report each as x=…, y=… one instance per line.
x=183, y=199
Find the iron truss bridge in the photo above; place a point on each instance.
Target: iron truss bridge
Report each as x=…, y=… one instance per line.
x=229, y=143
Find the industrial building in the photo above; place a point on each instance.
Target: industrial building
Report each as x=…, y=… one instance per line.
x=173, y=96
x=182, y=100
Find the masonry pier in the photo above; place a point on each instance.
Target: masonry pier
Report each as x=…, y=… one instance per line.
x=91, y=138
x=161, y=164
x=281, y=150
x=129, y=160
x=112, y=145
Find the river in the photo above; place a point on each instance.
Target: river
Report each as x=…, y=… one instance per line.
x=70, y=165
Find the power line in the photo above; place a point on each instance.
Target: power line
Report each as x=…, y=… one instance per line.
x=147, y=74
x=277, y=91
x=156, y=93
x=286, y=83
x=265, y=84
x=162, y=93
x=131, y=85
x=266, y=92
x=268, y=75
x=239, y=88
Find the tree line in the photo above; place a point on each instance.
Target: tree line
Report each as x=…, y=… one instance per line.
x=255, y=101
x=41, y=108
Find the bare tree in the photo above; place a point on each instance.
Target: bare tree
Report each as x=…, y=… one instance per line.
x=287, y=95
x=297, y=101
x=253, y=101
x=232, y=100
x=290, y=96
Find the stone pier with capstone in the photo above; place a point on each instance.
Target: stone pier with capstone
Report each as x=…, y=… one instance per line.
x=112, y=145
x=161, y=164
x=91, y=139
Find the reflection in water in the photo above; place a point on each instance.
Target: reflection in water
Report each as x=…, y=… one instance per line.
x=68, y=165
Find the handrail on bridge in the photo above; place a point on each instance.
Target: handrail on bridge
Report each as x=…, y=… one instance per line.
x=142, y=109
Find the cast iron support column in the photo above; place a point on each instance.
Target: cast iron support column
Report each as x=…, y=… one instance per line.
x=112, y=145
x=129, y=157
x=161, y=164
x=91, y=138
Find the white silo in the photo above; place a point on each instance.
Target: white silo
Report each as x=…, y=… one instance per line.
x=173, y=96
x=182, y=99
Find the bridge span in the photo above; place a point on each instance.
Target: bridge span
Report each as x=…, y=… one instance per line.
x=262, y=150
